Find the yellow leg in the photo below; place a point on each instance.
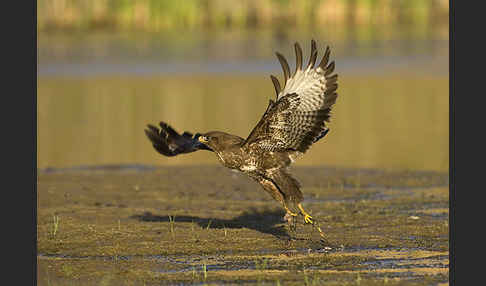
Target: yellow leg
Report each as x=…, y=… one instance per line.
x=289, y=217
x=307, y=217
x=289, y=211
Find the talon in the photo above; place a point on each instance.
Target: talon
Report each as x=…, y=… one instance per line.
x=289, y=212
x=308, y=219
x=289, y=217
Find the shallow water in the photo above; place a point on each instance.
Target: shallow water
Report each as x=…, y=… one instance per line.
x=97, y=91
x=165, y=225
x=379, y=121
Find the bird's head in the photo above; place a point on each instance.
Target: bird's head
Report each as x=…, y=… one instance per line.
x=218, y=141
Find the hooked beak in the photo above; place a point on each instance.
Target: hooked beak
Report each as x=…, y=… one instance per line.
x=202, y=139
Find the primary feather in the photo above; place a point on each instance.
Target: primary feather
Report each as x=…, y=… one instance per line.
x=297, y=119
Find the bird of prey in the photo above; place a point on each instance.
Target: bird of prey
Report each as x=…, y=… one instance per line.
x=292, y=122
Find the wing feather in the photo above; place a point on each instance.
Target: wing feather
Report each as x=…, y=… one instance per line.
x=170, y=143
x=285, y=67
x=325, y=58
x=276, y=84
x=329, y=69
x=298, y=58
x=298, y=117
x=313, y=57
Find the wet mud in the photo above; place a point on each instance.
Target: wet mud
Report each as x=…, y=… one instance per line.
x=206, y=225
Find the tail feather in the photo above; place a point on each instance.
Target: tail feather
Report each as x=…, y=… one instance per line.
x=320, y=136
x=287, y=185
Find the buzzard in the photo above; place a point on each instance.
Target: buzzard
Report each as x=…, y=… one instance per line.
x=292, y=122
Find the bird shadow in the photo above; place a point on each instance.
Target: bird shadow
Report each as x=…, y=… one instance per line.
x=264, y=221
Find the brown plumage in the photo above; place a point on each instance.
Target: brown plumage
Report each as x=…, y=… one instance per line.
x=290, y=125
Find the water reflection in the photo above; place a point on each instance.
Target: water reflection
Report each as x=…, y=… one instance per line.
x=97, y=91
x=392, y=121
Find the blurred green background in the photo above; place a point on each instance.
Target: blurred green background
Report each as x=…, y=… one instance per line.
x=155, y=15
x=107, y=68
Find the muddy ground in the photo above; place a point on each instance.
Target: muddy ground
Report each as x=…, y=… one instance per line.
x=206, y=225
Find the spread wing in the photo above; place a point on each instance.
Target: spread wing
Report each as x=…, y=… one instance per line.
x=297, y=118
x=170, y=143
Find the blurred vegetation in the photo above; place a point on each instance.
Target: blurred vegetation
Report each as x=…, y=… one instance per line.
x=155, y=15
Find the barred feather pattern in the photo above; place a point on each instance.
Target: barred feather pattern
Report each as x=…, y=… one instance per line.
x=297, y=118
